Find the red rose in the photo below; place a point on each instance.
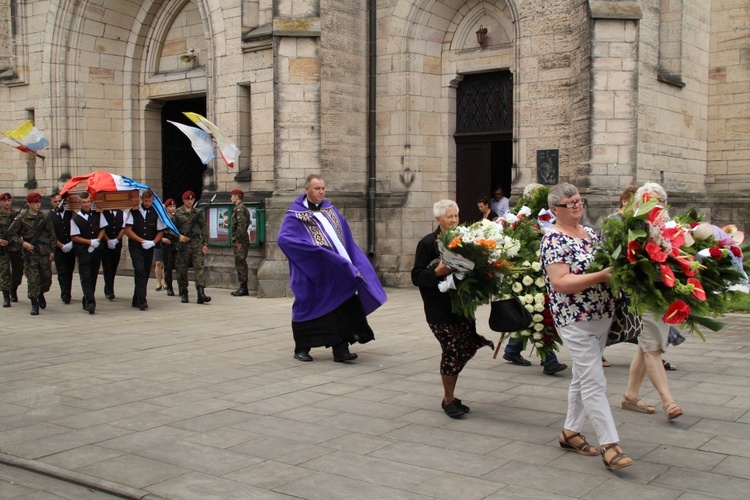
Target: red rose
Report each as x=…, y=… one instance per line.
x=677, y=313
x=545, y=217
x=655, y=252
x=715, y=252
x=667, y=275
x=736, y=251
x=698, y=292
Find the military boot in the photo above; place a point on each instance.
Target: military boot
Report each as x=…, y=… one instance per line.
x=184, y=295
x=14, y=295
x=42, y=301
x=6, y=298
x=202, y=297
x=241, y=291
x=34, y=307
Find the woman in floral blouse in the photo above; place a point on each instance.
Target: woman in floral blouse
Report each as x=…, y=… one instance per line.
x=582, y=307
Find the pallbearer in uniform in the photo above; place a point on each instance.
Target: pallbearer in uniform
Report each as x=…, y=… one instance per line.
x=169, y=243
x=193, y=238
x=86, y=231
x=65, y=257
x=240, y=240
x=112, y=249
x=144, y=229
x=36, y=234
x=11, y=261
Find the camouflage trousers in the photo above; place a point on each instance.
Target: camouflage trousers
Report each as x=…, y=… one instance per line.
x=186, y=255
x=240, y=263
x=11, y=270
x=38, y=270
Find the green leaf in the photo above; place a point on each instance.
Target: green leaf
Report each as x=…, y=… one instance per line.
x=617, y=252
x=710, y=323
x=634, y=234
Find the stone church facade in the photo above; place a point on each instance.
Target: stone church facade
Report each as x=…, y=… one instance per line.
x=397, y=103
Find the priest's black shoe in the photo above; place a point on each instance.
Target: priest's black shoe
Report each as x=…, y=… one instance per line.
x=348, y=356
x=553, y=367
x=302, y=356
x=516, y=359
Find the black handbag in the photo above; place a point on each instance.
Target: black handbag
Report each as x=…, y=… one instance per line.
x=626, y=326
x=509, y=315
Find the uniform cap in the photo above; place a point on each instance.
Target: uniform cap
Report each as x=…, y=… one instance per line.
x=33, y=197
x=237, y=192
x=188, y=195
x=169, y=202
x=6, y=196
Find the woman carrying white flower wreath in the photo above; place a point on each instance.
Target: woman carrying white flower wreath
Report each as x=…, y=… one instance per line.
x=582, y=306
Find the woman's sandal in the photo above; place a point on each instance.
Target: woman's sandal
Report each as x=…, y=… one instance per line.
x=584, y=448
x=668, y=366
x=619, y=461
x=605, y=363
x=672, y=410
x=637, y=405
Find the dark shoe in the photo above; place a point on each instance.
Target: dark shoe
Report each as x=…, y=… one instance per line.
x=159, y=288
x=14, y=295
x=669, y=366
x=242, y=291
x=66, y=299
x=554, y=367
x=462, y=406
x=349, y=356
x=453, y=410
x=34, y=307
x=143, y=306
x=516, y=359
x=42, y=301
x=202, y=297
x=91, y=307
x=302, y=356
x=6, y=298
x=110, y=296
x=170, y=291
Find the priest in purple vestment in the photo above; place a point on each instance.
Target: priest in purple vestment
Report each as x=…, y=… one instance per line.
x=335, y=286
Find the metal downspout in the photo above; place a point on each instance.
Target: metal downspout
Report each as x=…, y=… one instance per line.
x=371, y=164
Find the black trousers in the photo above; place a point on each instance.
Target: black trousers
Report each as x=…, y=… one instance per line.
x=110, y=262
x=142, y=260
x=88, y=272
x=65, y=263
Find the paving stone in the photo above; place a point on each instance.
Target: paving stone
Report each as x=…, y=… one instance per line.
x=616, y=489
x=529, y=453
x=713, y=484
x=734, y=466
x=451, y=486
x=547, y=479
x=281, y=450
x=457, y=462
x=728, y=445
x=79, y=457
x=133, y=471
x=512, y=492
x=322, y=486
x=269, y=474
x=685, y=458
x=449, y=439
x=197, y=486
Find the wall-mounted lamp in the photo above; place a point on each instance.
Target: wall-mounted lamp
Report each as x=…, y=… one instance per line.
x=190, y=58
x=481, y=35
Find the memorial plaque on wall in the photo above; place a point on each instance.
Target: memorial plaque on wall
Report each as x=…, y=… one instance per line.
x=547, y=166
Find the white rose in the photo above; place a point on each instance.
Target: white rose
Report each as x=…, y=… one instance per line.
x=539, y=308
x=536, y=266
x=526, y=263
x=539, y=298
x=538, y=345
x=517, y=287
x=538, y=252
x=525, y=211
x=529, y=308
x=538, y=327
x=538, y=318
x=538, y=336
x=529, y=298
x=539, y=282
x=527, y=281
x=514, y=335
x=526, y=333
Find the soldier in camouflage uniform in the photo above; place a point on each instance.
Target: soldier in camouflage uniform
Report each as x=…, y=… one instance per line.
x=36, y=233
x=191, y=224
x=169, y=243
x=11, y=261
x=241, y=241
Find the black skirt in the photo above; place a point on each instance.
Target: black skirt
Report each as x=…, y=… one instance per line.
x=347, y=322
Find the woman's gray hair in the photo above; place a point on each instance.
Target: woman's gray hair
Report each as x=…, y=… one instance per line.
x=650, y=187
x=439, y=208
x=560, y=191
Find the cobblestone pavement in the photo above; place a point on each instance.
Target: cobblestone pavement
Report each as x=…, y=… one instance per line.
x=188, y=401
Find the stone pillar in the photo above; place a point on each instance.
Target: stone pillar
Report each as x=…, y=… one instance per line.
x=297, y=115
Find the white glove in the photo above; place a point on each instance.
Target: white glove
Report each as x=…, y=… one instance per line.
x=94, y=244
x=67, y=247
x=112, y=244
x=147, y=244
x=91, y=249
